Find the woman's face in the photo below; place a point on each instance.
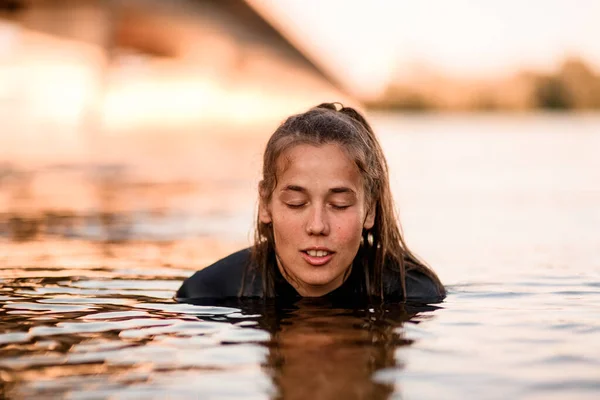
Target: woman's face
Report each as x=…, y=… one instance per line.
x=318, y=210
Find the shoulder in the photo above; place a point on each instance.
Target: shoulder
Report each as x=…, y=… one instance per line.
x=422, y=288
x=421, y=284
x=221, y=279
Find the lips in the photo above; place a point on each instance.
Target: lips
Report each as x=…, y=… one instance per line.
x=317, y=256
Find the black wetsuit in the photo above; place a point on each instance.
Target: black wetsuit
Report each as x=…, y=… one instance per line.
x=223, y=279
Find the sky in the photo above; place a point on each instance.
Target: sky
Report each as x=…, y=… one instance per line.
x=366, y=43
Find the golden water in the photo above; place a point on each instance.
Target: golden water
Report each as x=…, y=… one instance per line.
x=505, y=208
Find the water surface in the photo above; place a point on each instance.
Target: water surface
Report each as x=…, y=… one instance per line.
x=506, y=209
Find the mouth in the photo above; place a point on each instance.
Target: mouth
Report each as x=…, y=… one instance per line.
x=317, y=257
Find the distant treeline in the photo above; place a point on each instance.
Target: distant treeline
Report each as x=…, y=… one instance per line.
x=575, y=86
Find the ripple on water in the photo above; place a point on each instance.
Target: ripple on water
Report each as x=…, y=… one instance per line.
x=414, y=331
x=154, y=284
x=179, y=384
x=241, y=315
x=87, y=300
x=61, y=290
x=14, y=337
x=116, y=315
x=246, y=323
x=580, y=389
x=62, y=387
x=189, y=308
x=54, y=308
x=160, y=354
x=186, y=342
x=47, y=344
x=96, y=327
x=98, y=345
x=567, y=359
x=497, y=295
x=237, y=355
x=178, y=328
x=249, y=382
x=9, y=298
x=245, y=335
x=36, y=360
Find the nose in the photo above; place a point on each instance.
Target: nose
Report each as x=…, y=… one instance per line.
x=317, y=223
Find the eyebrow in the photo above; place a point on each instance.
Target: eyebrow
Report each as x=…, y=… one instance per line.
x=295, y=188
x=341, y=189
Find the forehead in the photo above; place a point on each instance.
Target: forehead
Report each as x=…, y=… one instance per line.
x=325, y=165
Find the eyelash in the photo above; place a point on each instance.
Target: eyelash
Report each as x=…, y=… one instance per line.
x=339, y=207
x=298, y=206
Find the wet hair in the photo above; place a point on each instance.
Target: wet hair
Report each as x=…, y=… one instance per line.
x=382, y=246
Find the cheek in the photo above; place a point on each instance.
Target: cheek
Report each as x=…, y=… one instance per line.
x=348, y=229
x=286, y=226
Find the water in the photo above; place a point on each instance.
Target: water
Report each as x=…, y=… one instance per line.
x=505, y=208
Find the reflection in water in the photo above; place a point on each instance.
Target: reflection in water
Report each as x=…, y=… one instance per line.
x=113, y=208
x=110, y=183
x=124, y=337
x=320, y=350
x=324, y=353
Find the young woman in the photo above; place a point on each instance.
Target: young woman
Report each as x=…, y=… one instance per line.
x=326, y=223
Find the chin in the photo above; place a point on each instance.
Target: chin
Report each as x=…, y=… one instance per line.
x=317, y=282
x=318, y=279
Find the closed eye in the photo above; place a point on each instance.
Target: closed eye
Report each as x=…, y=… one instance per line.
x=295, y=206
x=340, y=207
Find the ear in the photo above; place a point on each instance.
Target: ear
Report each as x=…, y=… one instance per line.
x=370, y=218
x=264, y=214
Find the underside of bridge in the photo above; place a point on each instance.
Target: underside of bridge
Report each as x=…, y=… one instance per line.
x=98, y=68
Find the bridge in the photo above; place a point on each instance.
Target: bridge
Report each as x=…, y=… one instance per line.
x=75, y=71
